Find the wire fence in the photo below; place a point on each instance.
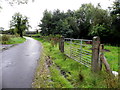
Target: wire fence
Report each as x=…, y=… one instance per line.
x=79, y=50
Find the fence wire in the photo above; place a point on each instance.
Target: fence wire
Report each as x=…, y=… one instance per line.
x=79, y=50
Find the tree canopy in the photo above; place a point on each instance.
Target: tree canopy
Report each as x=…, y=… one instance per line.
x=19, y=24
x=86, y=22
x=115, y=25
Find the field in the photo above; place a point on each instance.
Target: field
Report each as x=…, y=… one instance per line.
x=56, y=70
x=110, y=52
x=11, y=39
x=74, y=49
x=112, y=56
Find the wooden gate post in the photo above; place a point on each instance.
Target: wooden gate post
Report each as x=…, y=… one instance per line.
x=61, y=44
x=95, y=65
x=104, y=60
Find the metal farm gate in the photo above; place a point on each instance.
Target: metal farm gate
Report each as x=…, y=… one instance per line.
x=79, y=50
x=87, y=52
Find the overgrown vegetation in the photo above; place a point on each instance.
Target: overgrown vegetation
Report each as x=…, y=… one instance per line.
x=11, y=39
x=67, y=73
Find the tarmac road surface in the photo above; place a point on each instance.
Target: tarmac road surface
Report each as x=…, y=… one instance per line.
x=19, y=64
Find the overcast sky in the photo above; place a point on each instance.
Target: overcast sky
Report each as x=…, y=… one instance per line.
x=34, y=11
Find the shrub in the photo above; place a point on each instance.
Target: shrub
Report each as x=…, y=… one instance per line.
x=5, y=38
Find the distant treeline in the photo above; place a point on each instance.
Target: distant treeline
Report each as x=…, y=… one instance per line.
x=12, y=33
x=86, y=22
x=5, y=32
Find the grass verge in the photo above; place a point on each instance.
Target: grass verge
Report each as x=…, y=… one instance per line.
x=42, y=75
x=10, y=39
x=64, y=72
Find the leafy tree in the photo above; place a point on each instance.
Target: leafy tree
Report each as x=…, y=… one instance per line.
x=101, y=31
x=46, y=23
x=115, y=14
x=53, y=23
x=78, y=23
x=85, y=22
x=19, y=23
x=57, y=21
x=12, y=31
x=73, y=27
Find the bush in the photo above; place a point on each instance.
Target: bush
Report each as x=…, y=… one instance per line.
x=5, y=38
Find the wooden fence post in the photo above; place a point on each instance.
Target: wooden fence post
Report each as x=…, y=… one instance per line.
x=61, y=44
x=95, y=64
x=104, y=60
x=100, y=52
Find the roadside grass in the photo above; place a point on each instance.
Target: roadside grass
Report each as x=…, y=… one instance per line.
x=16, y=40
x=11, y=39
x=42, y=75
x=56, y=80
x=36, y=34
x=33, y=35
x=67, y=73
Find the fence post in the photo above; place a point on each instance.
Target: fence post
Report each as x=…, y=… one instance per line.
x=95, y=65
x=81, y=49
x=61, y=44
x=100, y=52
x=104, y=60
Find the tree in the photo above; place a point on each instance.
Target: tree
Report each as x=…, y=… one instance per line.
x=84, y=16
x=85, y=22
x=46, y=23
x=101, y=31
x=115, y=14
x=73, y=27
x=19, y=23
x=58, y=21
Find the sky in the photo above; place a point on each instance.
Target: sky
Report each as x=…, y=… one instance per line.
x=34, y=10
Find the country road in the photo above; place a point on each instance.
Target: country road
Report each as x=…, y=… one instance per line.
x=19, y=64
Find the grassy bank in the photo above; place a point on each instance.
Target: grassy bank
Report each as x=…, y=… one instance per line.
x=11, y=39
x=63, y=72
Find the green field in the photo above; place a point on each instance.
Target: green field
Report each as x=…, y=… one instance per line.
x=67, y=73
x=112, y=56
x=11, y=39
x=111, y=53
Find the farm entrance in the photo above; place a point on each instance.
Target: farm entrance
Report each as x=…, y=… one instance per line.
x=79, y=50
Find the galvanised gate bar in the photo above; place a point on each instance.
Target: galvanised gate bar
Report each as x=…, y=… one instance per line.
x=79, y=50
